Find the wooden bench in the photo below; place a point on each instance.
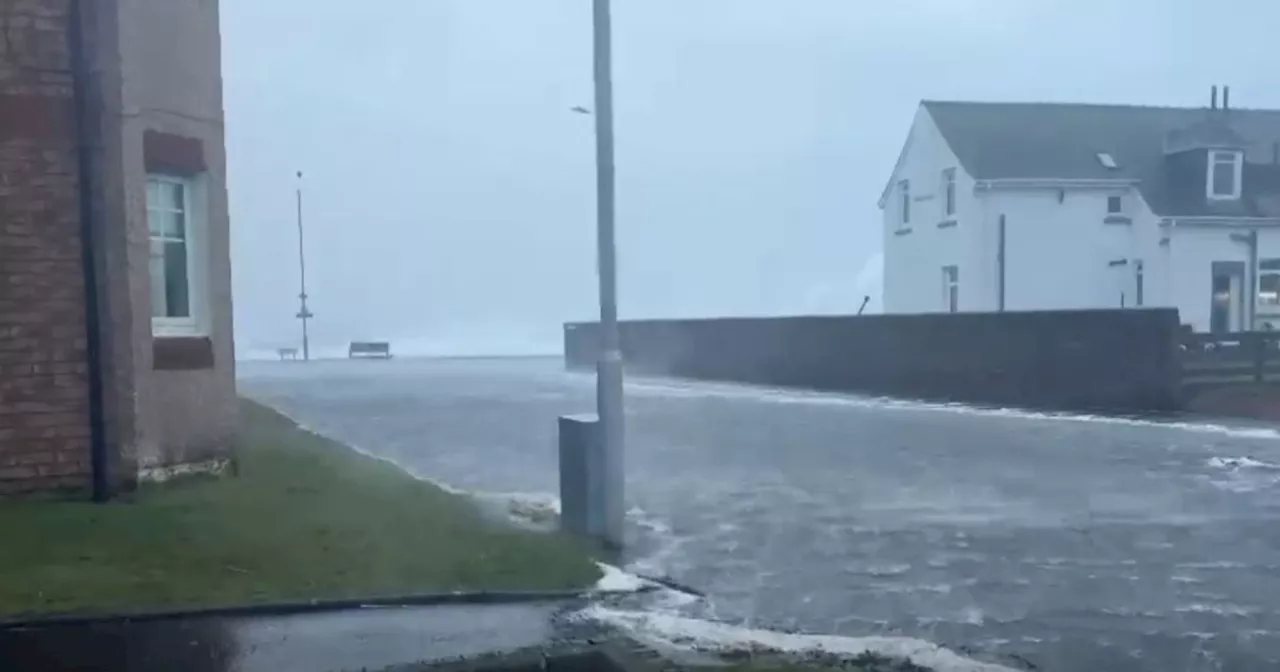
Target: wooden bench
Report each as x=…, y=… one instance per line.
x=369, y=350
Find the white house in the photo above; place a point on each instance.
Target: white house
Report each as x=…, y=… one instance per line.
x=1028, y=206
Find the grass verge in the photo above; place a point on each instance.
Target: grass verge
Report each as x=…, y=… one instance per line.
x=305, y=518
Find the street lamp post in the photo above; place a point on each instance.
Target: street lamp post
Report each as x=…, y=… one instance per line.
x=303, y=314
x=609, y=404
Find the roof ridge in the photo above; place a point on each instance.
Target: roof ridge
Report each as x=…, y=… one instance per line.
x=1113, y=106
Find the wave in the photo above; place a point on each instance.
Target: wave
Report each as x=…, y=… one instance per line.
x=773, y=395
x=669, y=631
x=1217, y=609
x=615, y=580
x=1241, y=463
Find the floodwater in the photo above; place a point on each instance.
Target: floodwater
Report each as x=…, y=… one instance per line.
x=1062, y=542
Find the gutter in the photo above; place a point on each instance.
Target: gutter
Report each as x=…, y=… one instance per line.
x=1053, y=183
x=80, y=75
x=1264, y=222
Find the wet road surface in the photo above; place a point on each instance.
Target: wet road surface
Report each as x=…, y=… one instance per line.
x=1077, y=543
x=370, y=639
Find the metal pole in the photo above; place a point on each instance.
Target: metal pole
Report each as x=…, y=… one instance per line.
x=303, y=313
x=609, y=402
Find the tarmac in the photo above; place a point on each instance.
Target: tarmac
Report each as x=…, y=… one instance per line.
x=358, y=639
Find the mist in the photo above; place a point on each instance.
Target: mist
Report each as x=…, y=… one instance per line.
x=449, y=190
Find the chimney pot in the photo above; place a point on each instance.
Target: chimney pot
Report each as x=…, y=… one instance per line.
x=1226, y=98
x=1213, y=97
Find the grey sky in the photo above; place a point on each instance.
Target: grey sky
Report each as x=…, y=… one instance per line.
x=450, y=191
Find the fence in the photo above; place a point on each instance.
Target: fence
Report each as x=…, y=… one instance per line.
x=1086, y=359
x=1230, y=358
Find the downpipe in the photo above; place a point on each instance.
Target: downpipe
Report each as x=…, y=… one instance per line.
x=80, y=75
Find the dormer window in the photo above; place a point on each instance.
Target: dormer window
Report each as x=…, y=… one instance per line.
x=1225, y=169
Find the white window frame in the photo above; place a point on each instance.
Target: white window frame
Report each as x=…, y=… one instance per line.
x=194, y=227
x=1263, y=273
x=904, y=189
x=949, y=192
x=1221, y=158
x=950, y=283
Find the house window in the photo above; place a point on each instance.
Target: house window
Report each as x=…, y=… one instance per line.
x=904, y=187
x=1224, y=174
x=1269, y=282
x=173, y=234
x=1115, y=205
x=951, y=288
x=949, y=192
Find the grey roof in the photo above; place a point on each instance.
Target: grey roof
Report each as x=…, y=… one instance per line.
x=1062, y=141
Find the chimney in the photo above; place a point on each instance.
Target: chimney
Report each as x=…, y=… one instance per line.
x=1226, y=98
x=1213, y=97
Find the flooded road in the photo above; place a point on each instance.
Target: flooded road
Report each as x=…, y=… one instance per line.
x=1071, y=542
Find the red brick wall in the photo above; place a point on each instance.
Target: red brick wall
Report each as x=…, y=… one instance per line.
x=44, y=432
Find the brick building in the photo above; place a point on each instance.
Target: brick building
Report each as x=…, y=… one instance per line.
x=116, y=355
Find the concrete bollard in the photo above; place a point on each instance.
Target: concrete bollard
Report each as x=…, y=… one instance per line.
x=585, y=490
x=579, y=438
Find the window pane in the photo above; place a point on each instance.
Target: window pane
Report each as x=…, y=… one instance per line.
x=1269, y=288
x=166, y=224
x=1224, y=179
x=158, y=301
x=154, y=221
x=1269, y=264
x=177, y=296
x=175, y=225
x=176, y=196
x=165, y=194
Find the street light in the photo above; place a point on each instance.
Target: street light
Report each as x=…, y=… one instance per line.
x=303, y=313
x=609, y=405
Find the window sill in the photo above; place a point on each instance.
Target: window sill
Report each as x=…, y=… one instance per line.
x=902, y=231
x=1117, y=219
x=948, y=224
x=175, y=327
x=182, y=353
